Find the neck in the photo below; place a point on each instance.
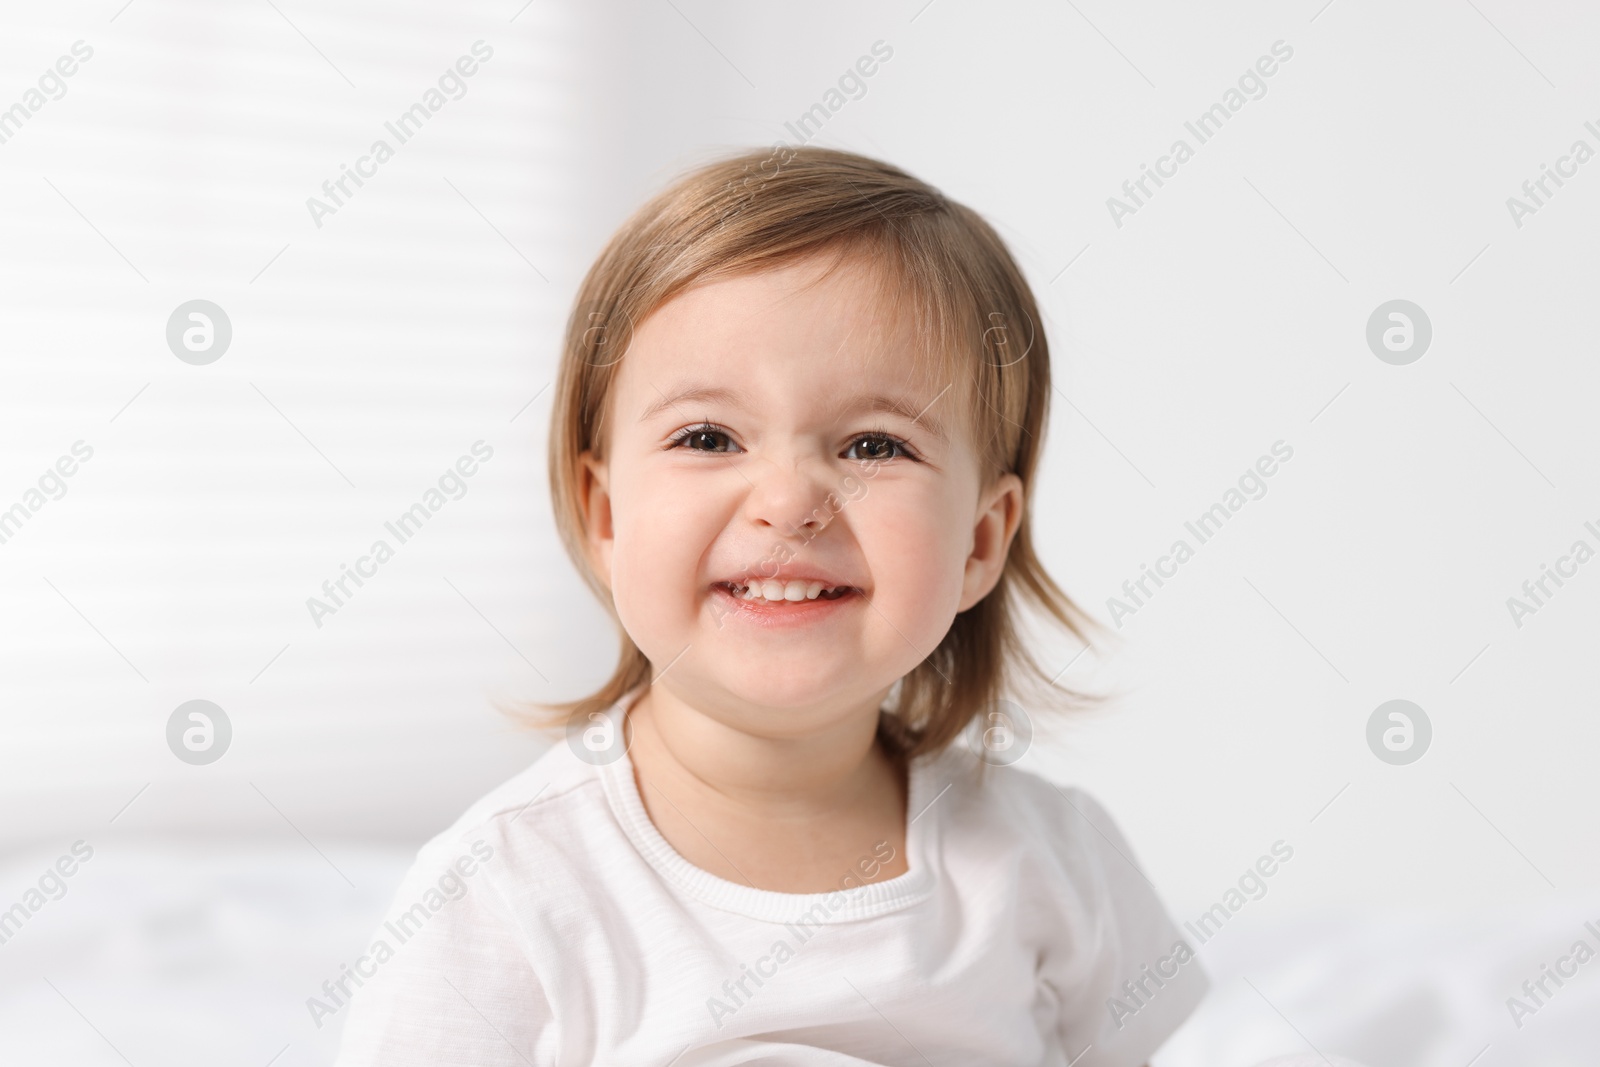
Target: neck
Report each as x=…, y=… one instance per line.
x=687, y=753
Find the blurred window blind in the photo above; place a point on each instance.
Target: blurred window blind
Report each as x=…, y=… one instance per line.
x=382, y=204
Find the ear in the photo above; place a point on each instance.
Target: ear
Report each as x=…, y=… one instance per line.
x=999, y=516
x=594, y=498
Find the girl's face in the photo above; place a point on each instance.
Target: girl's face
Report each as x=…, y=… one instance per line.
x=748, y=439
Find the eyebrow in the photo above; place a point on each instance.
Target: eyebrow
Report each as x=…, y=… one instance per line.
x=871, y=402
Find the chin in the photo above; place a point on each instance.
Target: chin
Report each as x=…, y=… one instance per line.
x=782, y=689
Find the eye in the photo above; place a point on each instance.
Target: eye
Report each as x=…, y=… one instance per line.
x=696, y=435
x=884, y=446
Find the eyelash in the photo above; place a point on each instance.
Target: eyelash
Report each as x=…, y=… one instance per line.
x=907, y=452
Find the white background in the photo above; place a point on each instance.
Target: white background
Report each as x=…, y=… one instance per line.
x=1228, y=313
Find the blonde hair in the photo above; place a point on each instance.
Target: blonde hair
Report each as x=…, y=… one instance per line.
x=942, y=269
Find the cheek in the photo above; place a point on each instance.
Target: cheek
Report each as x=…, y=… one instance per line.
x=915, y=544
x=663, y=532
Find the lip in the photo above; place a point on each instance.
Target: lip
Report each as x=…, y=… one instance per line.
x=774, y=614
x=748, y=577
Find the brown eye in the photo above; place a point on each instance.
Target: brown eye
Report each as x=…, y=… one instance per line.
x=883, y=447
x=700, y=438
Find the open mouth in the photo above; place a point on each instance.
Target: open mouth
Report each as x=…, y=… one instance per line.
x=775, y=592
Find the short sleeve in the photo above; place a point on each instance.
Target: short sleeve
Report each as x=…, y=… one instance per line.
x=1130, y=979
x=445, y=981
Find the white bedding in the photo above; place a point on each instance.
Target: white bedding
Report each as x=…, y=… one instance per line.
x=188, y=954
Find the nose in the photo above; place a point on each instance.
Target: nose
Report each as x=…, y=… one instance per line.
x=790, y=495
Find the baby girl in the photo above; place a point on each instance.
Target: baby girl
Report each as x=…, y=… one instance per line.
x=796, y=430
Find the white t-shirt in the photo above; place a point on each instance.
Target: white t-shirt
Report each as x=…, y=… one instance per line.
x=553, y=924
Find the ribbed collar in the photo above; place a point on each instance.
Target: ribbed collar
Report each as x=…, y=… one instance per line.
x=858, y=902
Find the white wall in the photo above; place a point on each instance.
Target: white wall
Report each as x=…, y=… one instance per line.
x=1227, y=314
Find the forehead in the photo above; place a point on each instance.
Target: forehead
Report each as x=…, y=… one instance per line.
x=797, y=335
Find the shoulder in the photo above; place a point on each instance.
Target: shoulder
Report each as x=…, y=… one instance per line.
x=455, y=914
x=556, y=792
x=1021, y=796
x=1062, y=827
x=1109, y=949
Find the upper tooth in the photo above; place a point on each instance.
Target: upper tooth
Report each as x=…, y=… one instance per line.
x=772, y=589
